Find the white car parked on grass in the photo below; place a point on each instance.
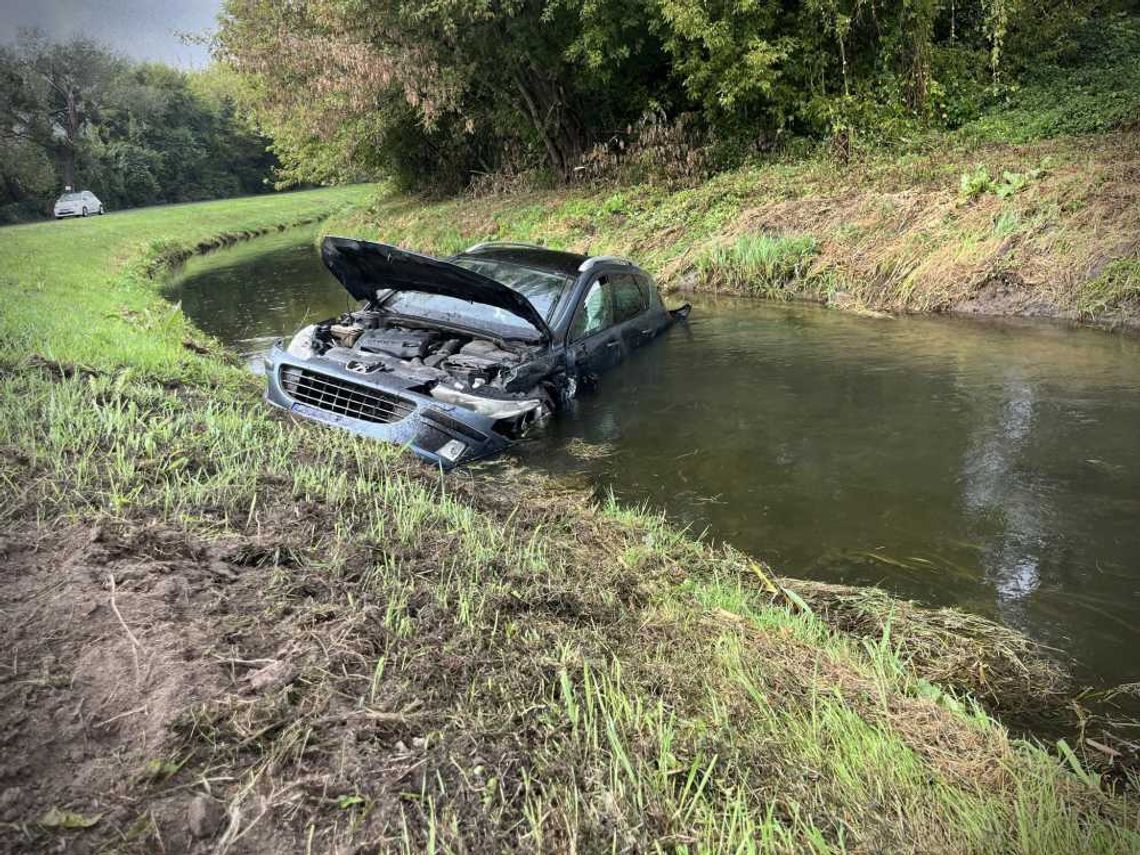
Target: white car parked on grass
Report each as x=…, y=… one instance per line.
x=77, y=204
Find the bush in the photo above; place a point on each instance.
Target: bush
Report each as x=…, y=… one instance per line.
x=1101, y=93
x=975, y=182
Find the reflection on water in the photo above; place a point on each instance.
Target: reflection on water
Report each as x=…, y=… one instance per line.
x=992, y=485
x=991, y=466
x=256, y=292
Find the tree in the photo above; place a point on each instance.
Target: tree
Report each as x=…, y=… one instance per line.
x=477, y=81
x=136, y=133
x=53, y=94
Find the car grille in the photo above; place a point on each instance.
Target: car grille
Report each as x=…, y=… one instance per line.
x=343, y=397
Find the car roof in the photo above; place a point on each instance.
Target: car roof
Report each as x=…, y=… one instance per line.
x=526, y=255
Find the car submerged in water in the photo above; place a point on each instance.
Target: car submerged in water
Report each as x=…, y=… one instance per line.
x=458, y=358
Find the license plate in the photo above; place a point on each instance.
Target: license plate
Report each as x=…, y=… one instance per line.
x=319, y=415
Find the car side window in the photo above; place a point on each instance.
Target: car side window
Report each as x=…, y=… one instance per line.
x=595, y=312
x=627, y=297
x=649, y=292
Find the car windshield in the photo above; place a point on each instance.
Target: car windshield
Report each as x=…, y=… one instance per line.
x=71, y=197
x=542, y=289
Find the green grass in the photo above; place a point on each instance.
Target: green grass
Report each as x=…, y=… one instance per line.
x=485, y=662
x=98, y=270
x=910, y=232
x=1114, y=292
x=761, y=265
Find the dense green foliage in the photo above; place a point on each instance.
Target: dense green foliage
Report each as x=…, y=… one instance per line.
x=135, y=134
x=438, y=94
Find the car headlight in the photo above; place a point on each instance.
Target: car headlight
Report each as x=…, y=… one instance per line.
x=302, y=344
x=492, y=408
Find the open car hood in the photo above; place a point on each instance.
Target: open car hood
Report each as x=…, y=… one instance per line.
x=364, y=268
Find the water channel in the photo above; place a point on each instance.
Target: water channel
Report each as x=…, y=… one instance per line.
x=994, y=466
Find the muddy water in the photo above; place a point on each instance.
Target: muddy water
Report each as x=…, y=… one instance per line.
x=992, y=466
x=258, y=291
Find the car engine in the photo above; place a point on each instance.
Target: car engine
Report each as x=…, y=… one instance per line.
x=489, y=377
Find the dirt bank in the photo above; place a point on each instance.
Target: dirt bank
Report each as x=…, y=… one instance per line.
x=1050, y=228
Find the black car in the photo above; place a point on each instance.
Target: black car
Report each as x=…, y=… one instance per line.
x=456, y=358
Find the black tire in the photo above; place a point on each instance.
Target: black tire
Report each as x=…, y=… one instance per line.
x=85, y=211
x=101, y=211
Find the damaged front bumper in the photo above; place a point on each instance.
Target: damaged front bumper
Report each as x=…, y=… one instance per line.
x=379, y=406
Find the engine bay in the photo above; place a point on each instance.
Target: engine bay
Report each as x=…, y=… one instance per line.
x=479, y=373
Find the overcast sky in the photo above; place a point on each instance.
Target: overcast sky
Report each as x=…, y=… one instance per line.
x=140, y=29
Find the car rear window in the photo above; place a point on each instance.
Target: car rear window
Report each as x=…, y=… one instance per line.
x=649, y=291
x=71, y=197
x=628, y=300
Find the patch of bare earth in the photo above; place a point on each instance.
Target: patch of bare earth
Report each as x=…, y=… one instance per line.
x=106, y=642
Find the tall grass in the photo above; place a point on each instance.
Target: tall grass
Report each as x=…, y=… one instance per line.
x=1114, y=292
x=762, y=265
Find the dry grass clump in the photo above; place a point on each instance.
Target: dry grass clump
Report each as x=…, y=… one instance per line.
x=1003, y=668
x=582, y=450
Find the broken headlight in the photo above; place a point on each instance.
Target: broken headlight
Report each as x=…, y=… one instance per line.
x=302, y=344
x=492, y=408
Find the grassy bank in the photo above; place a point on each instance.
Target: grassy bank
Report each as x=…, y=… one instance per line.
x=230, y=632
x=1050, y=227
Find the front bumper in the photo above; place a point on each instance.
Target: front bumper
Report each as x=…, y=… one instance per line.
x=427, y=427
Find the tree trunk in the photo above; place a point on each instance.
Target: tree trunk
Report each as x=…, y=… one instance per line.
x=546, y=106
x=557, y=163
x=71, y=130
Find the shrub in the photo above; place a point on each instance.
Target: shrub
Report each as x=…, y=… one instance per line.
x=978, y=181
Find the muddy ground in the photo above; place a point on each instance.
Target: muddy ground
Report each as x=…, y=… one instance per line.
x=154, y=689
x=108, y=641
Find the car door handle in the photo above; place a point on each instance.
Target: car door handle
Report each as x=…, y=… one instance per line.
x=613, y=344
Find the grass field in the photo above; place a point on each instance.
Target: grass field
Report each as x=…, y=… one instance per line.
x=229, y=632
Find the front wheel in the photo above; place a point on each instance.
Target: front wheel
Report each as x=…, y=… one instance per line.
x=101, y=211
x=85, y=212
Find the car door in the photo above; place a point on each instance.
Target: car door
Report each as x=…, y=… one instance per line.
x=594, y=343
x=630, y=311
